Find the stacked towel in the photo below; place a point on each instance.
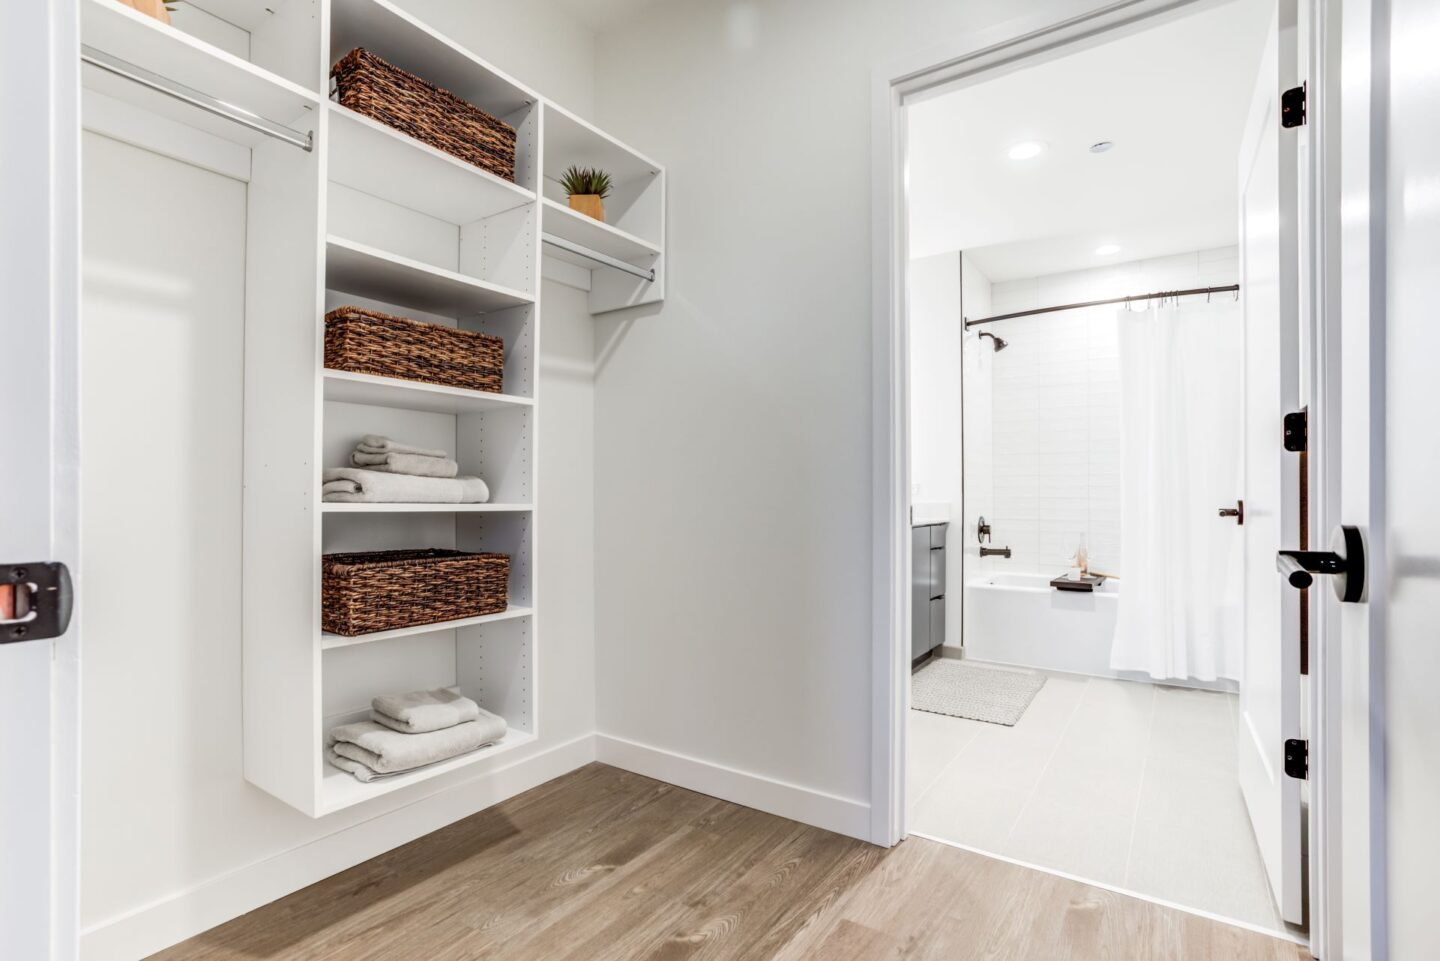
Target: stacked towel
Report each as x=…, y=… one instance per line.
x=383, y=471
x=409, y=731
x=352, y=485
x=422, y=711
x=383, y=454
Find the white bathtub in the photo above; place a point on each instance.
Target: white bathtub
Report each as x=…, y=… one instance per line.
x=1020, y=619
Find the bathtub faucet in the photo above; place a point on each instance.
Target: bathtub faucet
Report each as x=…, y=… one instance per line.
x=995, y=552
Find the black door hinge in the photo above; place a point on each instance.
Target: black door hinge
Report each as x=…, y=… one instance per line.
x=1292, y=107
x=1297, y=431
x=1297, y=759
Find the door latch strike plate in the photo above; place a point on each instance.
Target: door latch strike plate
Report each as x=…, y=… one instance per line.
x=1297, y=759
x=1297, y=431
x=1292, y=107
x=35, y=601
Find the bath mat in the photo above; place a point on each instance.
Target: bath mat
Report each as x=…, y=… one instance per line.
x=950, y=686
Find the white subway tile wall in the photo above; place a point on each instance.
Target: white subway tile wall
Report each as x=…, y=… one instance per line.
x=1054, y=432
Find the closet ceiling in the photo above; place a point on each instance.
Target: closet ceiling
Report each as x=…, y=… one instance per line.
x=1173, y=98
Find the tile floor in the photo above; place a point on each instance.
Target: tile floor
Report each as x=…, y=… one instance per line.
x=1129, y=784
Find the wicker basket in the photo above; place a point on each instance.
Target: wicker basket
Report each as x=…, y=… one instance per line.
x=381, y=91
x=369, y=342
x=383, y=590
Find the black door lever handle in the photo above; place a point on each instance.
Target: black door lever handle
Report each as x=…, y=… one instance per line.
x=1299, y=566
x=1345, y=562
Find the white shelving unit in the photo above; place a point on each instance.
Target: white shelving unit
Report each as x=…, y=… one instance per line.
x=368, y=216
x=634, y=231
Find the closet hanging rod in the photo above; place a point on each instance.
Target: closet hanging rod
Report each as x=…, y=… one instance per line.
x=172, y=88
x=1158, y=295
x=644, y=273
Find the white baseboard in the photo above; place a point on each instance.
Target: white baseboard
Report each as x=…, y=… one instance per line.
x=828, y=811
x=184, y=914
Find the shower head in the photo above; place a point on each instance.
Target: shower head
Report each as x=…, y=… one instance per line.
x=999, y=343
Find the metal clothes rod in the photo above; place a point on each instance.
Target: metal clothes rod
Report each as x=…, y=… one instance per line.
x=644, y=273
x=171, y=88
x=1158, y=295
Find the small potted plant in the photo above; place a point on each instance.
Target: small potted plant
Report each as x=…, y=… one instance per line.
x=587, y=188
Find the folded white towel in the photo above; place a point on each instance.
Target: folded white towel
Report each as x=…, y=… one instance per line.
x=384, y=751
x=376, y=444
x=422, y=711
x=353, y=485
x=361, y=772
x=416, y=465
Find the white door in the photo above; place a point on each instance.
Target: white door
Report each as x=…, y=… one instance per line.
x=39, y=678
x=1269, y=291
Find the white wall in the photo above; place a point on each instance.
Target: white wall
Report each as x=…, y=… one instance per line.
x=733, y=438
x=540, y=46
x=935, y=454
x=1055, y=402
x=977, y=375
x=175, y=840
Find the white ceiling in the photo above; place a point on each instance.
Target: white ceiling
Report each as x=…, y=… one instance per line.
x=1172, y=97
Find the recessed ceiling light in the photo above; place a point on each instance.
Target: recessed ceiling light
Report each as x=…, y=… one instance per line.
x=1102, y=146
x=1026, y=150
x=1106, y=250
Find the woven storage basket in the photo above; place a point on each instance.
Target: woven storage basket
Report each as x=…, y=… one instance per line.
x=382, y=91
x=382, y=590
x=369, y=342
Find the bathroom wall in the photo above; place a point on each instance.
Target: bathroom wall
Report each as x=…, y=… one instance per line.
x=977, y=374
x=175, y=840
x=935, y=454
x=1055, y=396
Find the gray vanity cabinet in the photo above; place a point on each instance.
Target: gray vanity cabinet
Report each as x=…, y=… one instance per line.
x=927, y=589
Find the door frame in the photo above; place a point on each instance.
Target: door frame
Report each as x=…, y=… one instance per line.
x=906, y=80
x=39, y=489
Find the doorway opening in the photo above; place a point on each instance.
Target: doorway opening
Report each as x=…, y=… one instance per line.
x=1104, y=336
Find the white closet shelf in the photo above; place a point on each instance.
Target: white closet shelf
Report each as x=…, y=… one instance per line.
x=339, y=790
x=380, y=27
x=349, y=388
x=570, y=140
x=129, y=35
x=374, y=159
x=560, y=220
x=332, y=641
x=332, y=507
x=370, y=272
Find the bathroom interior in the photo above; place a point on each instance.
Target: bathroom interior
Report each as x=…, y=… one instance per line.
x=1077, y=468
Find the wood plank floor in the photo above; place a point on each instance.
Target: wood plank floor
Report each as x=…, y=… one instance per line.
x=604, y=865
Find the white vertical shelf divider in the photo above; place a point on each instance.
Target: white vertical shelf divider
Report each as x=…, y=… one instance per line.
x=401, y=228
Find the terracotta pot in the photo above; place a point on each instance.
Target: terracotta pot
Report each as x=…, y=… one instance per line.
x=591, y=205
x=152, y=8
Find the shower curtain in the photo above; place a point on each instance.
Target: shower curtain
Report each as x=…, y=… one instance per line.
x=1181, y=390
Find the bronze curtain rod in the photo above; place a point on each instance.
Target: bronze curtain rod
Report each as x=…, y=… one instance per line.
x=1158, y=295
